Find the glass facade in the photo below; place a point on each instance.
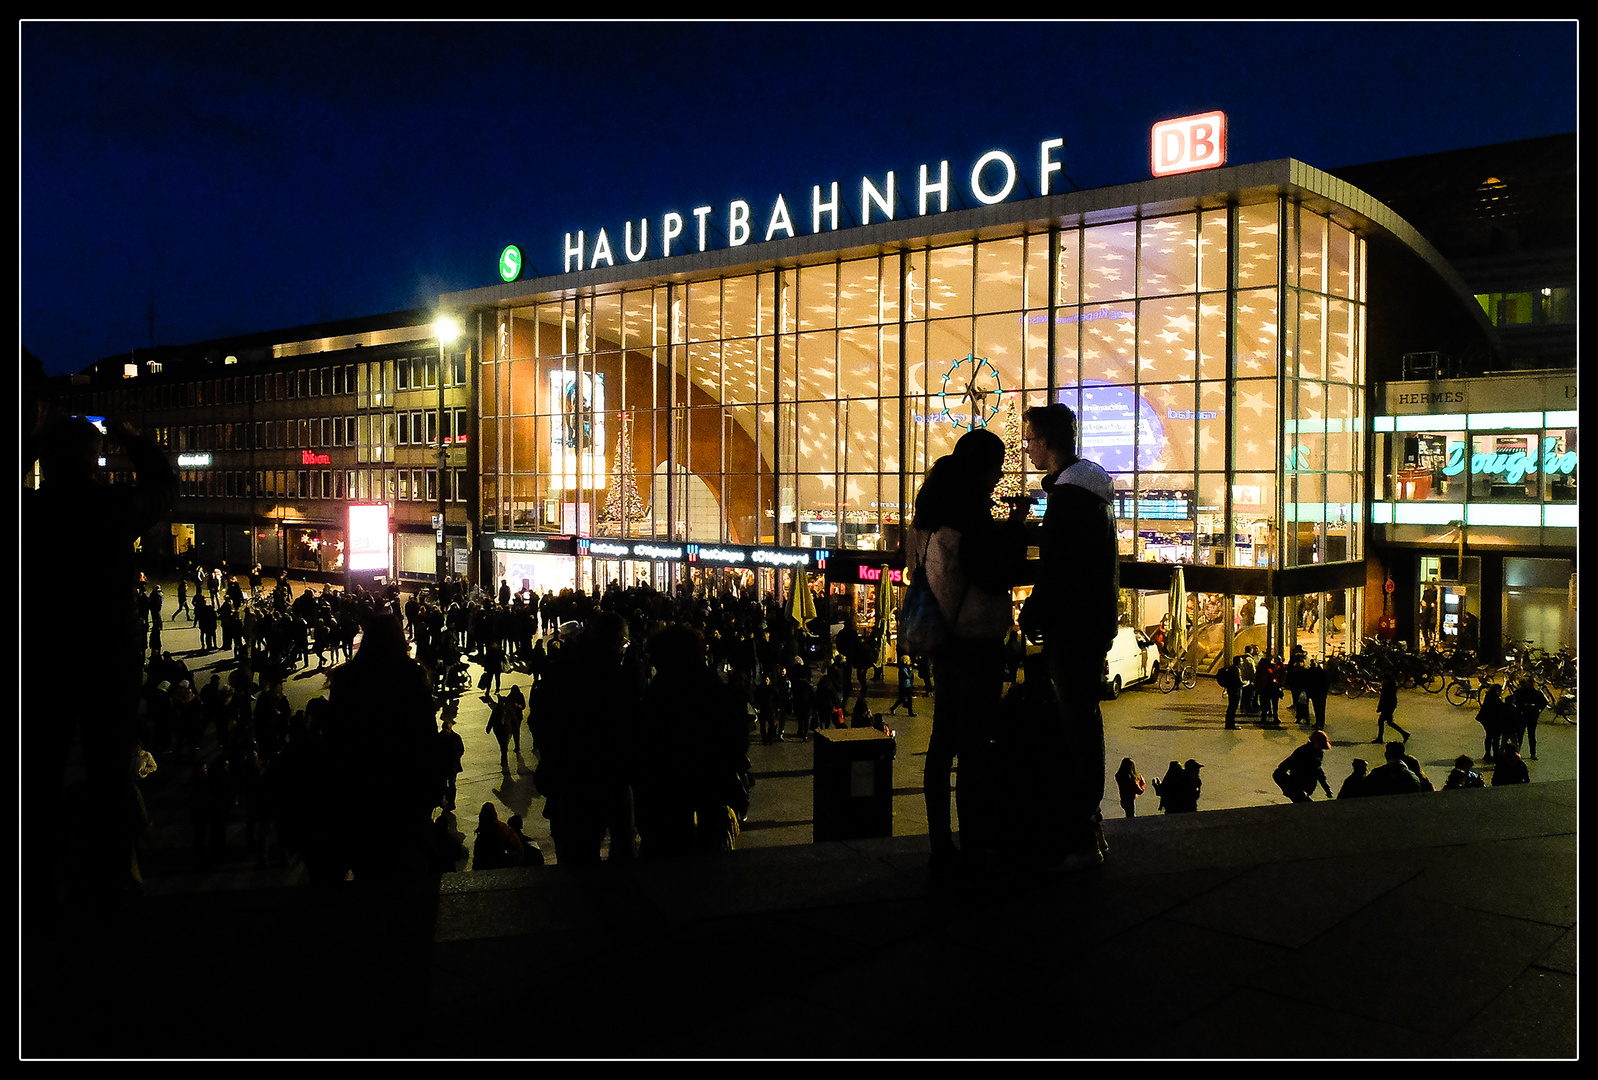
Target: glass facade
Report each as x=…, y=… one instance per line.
x=1215, y=359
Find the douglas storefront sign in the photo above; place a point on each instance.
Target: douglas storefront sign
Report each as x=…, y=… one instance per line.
x=1512, y=466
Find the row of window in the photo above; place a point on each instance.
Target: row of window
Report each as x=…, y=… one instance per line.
x=378, y=376
x=389, y=485
x=417, y=427
x=1180, y=254
x=1538, y=308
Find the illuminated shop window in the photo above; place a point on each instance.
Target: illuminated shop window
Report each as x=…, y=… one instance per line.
x=1504, y=467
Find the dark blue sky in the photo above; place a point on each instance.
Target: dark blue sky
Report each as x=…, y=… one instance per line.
x=246, y=176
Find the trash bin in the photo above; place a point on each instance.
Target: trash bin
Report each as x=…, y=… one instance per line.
x=853, y=783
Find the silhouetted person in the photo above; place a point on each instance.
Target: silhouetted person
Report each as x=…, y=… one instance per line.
x=532, y=854
x=1463, y=775
x=1354, y=786
x=1179, y=791
x=1316, y=683
x=1395, y=777
x=78, y=530
x=969, y=561
x=1074, y=612
x=1526, y=705
x=1130, y=785
x=1386, y=705
x=451, y=748
x=1492, y=716
x=1299, y=775
x=586, y=729
x=380, y=727
x=689, y=753
x=504, y=717
x=1231, y=680
x=497, y=845
x=1510, y=769
x=1171, y=781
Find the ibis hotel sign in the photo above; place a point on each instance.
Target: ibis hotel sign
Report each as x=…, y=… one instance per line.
x=992, y=178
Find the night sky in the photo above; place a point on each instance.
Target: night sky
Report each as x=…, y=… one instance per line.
x=245, y=176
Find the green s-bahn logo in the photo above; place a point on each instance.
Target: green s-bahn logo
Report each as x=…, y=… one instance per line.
x=510, y=263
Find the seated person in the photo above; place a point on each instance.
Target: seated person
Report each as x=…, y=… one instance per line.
x=1395, y=777
x=1464, y=775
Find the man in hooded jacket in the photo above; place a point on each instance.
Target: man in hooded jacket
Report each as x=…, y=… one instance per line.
x=1074, y=611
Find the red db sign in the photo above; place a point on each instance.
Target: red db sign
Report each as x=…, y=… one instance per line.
x=1188, y=143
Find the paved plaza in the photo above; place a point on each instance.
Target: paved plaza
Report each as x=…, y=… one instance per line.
x=1152, y=728
x=1421, y=926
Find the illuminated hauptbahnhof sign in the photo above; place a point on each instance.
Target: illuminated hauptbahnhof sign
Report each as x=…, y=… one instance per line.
x=993, y=179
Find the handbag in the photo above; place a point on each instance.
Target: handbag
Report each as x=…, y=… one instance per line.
x=921, y=625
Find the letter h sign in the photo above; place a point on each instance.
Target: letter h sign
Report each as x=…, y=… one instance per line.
x=1188, y=143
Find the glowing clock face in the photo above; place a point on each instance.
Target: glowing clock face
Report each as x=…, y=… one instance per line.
x=970, y=394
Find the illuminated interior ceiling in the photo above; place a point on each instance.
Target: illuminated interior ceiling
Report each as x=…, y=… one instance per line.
x=1152, y=312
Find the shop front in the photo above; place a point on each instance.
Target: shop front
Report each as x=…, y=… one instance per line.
x=317, y=548
x=1474, y=508
x=531, y=565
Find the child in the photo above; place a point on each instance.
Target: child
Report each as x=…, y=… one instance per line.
x=1130, y=784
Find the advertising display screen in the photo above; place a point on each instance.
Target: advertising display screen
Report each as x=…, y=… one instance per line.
x=577, y=439
x=368, y=537
x=1119, y=430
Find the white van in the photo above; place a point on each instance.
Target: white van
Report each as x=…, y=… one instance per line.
x=1132, y=659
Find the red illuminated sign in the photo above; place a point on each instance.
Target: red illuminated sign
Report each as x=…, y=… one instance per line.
x=308, y=458
x=1188, y=143
x=874, y=573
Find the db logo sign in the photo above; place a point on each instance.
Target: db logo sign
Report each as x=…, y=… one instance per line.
x=1188, y=143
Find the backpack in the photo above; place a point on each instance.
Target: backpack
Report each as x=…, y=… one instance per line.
x=921, y=625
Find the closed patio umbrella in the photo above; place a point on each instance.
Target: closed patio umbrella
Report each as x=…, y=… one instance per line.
x=801, y=605
x=1176, y=637
x=884, y=615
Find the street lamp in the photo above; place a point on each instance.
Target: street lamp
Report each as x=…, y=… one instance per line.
x=447, y=329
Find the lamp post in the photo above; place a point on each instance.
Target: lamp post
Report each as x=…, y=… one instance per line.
x=1459, y=583
x=446, y=329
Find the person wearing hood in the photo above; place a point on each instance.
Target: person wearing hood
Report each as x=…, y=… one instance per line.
x=1074, y=611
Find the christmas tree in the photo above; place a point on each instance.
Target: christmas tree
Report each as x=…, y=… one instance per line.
x=622, y=501
x=1013, y=482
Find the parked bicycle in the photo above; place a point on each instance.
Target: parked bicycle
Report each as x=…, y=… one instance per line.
x=1461, y=692
x=1177, y=672
x=1344, y=676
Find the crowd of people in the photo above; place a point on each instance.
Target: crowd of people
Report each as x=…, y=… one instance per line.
x=638, y=706
x=1255, y=685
